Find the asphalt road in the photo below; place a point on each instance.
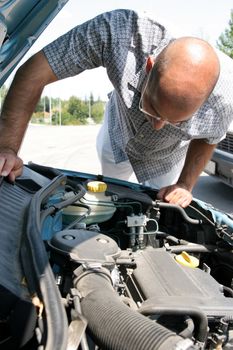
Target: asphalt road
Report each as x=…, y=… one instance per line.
x=73, y=148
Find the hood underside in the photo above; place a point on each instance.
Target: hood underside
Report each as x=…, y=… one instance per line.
x=21, y=23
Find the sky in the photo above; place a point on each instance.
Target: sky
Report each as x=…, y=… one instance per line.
x=202, y=18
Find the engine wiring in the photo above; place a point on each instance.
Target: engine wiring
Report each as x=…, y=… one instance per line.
x=219, y=229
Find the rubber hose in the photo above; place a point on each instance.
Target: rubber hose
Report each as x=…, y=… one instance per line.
x=114, y=325
x=199, y=317
x=188, y=331
x=180, y=210
x=194, y=248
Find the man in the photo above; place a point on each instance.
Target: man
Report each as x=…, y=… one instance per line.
x=172, y=100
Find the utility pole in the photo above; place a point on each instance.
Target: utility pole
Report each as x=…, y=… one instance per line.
x=89, y=105
x=50, y=110
x=60, y=111
x=44, y=109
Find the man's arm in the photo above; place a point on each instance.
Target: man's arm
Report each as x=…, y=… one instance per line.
x=198, y=155
x=18, y=107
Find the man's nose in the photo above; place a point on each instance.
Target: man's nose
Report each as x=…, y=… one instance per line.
x=157, y=124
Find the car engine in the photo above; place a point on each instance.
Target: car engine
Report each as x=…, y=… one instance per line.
x=90, y=262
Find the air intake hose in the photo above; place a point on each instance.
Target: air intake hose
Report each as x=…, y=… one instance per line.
x=114, y=325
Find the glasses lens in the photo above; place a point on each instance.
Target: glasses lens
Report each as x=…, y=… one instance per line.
x=147, y=113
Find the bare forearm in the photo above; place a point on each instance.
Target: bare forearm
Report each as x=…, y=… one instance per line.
x=197, y=157
x=17, y=110
x=21, y=100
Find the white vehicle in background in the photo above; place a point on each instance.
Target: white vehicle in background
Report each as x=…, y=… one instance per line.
x=221, y=163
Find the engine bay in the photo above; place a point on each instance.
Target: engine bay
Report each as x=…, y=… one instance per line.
x=97, y=263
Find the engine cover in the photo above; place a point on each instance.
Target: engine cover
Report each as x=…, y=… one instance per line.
x=161, y=280
x=83, y=245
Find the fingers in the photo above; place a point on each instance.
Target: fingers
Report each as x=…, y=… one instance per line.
x=179, y=196
x=175, y=195
x=15, y=173
x=10, y=165
x=161, y=193
x=7, y=162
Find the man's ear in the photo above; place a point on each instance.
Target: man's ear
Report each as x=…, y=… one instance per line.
x=149, y=63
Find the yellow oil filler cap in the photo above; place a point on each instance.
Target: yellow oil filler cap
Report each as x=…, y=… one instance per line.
x=96, y=186
x=187, y=260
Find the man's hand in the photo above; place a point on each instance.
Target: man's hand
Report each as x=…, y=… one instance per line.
x=10, y=164
x=198, y=155
x=19, y=104
x=175, y=194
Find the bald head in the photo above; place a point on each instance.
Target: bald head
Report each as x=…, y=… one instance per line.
x=183, y=76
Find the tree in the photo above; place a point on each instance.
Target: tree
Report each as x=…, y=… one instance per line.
x=91, y=99
x=225, y=41
x=78, y=109
x=40, y=106
x=68, y=112
x=97, y=111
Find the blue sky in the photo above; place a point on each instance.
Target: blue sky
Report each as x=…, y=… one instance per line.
x=203, y=18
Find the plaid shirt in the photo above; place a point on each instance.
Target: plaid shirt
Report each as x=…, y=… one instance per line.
x=121, y=41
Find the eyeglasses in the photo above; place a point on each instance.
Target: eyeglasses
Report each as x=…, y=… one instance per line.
x=147, y=114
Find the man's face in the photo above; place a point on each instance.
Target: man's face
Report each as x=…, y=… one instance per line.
x=158, y=112
x=157, y=107
x=150, y=113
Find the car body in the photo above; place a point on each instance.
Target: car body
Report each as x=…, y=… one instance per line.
x=221, y=164
x=90, y=262
x=21, y=23
x=98, y=262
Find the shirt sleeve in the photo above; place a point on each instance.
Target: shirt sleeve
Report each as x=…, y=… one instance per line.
x=88, y=45
x=220, y=125
x=221, y=121
x=218, y=117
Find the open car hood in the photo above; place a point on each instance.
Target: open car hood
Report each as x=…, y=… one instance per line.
x=21, y=23
x=92, y=262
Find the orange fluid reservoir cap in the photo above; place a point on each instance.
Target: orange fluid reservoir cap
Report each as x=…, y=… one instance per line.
x=187, y=260
x=96, y=186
